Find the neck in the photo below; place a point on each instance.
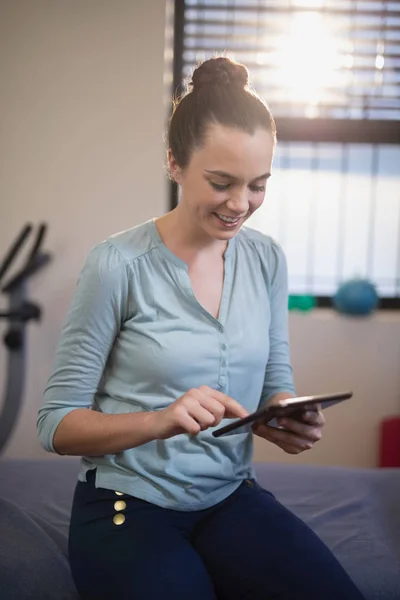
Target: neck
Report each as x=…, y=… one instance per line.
x=185, y=239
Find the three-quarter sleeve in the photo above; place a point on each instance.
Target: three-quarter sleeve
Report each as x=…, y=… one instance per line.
x=278, y=372
x=95, y=316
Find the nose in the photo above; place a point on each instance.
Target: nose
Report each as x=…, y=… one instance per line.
x=238, y=201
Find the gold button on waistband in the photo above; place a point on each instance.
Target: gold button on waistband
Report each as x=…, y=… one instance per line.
x=119, y=519
x=119, y=493
x=119, y=505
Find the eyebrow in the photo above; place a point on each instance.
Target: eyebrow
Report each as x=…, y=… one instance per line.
x=229, y=176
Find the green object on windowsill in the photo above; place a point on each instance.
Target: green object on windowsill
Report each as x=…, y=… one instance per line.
x=302, y=303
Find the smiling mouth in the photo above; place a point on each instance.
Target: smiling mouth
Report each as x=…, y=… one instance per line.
x=228, y=220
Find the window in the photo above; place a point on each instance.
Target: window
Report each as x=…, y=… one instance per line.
x=330, y=72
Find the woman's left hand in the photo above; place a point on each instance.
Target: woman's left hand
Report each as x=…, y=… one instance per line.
x=296, y=435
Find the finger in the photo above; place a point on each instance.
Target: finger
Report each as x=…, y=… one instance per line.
x=275, y=435
x=312, y=407
x=188, y=424
x=232, y=407
x=286, y=445
x=289, y=439
x=259, y=429
x=309, y=432
x=203, y=416
x=216, y=408
x=204, y=396
x=314, y=417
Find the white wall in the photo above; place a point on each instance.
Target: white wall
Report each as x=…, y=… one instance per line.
x=82, y=116
x=82, y=120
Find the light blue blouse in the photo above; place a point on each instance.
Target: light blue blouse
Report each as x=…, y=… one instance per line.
x=136, y=339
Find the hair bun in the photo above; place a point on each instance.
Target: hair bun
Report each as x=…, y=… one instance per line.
x=220, y=71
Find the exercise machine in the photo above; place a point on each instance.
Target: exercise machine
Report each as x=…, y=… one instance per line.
x=20, y=311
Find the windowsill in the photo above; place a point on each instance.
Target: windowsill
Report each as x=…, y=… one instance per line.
x=329, y=314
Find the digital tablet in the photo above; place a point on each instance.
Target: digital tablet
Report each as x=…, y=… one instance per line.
x=285, y=408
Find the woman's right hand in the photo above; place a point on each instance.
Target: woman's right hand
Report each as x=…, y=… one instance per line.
x=195, y=411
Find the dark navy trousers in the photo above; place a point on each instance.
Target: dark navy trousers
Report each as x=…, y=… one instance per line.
x=247, y=547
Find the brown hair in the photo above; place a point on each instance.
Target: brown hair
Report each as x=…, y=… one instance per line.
x=219, y=92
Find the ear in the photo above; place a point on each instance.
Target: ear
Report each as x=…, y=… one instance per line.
x=174, y=168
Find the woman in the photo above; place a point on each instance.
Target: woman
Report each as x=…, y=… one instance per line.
x=177, y=324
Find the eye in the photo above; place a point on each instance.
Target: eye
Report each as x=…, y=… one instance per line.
x=219, y=187
x=257, y=188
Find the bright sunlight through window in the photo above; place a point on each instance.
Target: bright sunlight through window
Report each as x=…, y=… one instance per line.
x=311, y=59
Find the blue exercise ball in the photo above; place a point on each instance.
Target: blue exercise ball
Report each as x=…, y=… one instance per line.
x=356, y=297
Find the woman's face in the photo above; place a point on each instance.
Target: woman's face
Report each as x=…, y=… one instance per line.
x=225, y=180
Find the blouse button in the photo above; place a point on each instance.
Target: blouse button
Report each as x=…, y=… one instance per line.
x=119, y=519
